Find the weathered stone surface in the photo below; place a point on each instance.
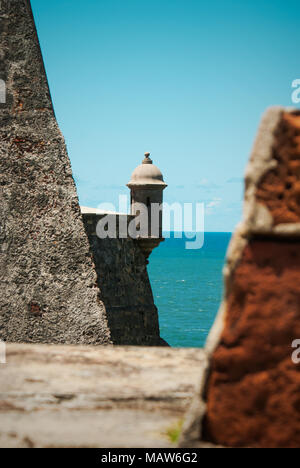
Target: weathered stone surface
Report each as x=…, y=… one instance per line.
x=78, y=396
x=253, y=394
x=250, y=396
x=48, y=289
x=279, y=188
x=125, y=287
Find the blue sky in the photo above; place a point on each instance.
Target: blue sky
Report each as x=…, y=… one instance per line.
x=186, y=80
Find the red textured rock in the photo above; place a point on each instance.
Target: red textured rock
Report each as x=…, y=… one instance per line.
x=253, y=392
x=279, y=189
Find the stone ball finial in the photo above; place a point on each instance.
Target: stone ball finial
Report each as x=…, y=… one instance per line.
x=147, y=159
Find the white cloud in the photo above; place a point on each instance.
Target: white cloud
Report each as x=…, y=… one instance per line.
x=203, y=183
x=213, y=204
x=207, y=184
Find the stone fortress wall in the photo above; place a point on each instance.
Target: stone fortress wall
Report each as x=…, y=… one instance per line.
x=123, y=280
x=50, y=289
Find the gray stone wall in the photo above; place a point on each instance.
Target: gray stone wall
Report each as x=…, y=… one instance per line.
x=125, y=287
x=50, y=290
x=48, y=287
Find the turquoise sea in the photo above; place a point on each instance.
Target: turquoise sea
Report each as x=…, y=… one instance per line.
x=187, y=287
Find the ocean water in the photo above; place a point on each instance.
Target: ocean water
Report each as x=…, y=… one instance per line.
x=187, y=287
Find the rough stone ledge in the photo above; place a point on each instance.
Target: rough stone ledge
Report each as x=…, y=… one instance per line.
x=81, y=396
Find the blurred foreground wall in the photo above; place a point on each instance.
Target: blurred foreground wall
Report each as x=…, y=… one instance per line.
x=250, y=393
